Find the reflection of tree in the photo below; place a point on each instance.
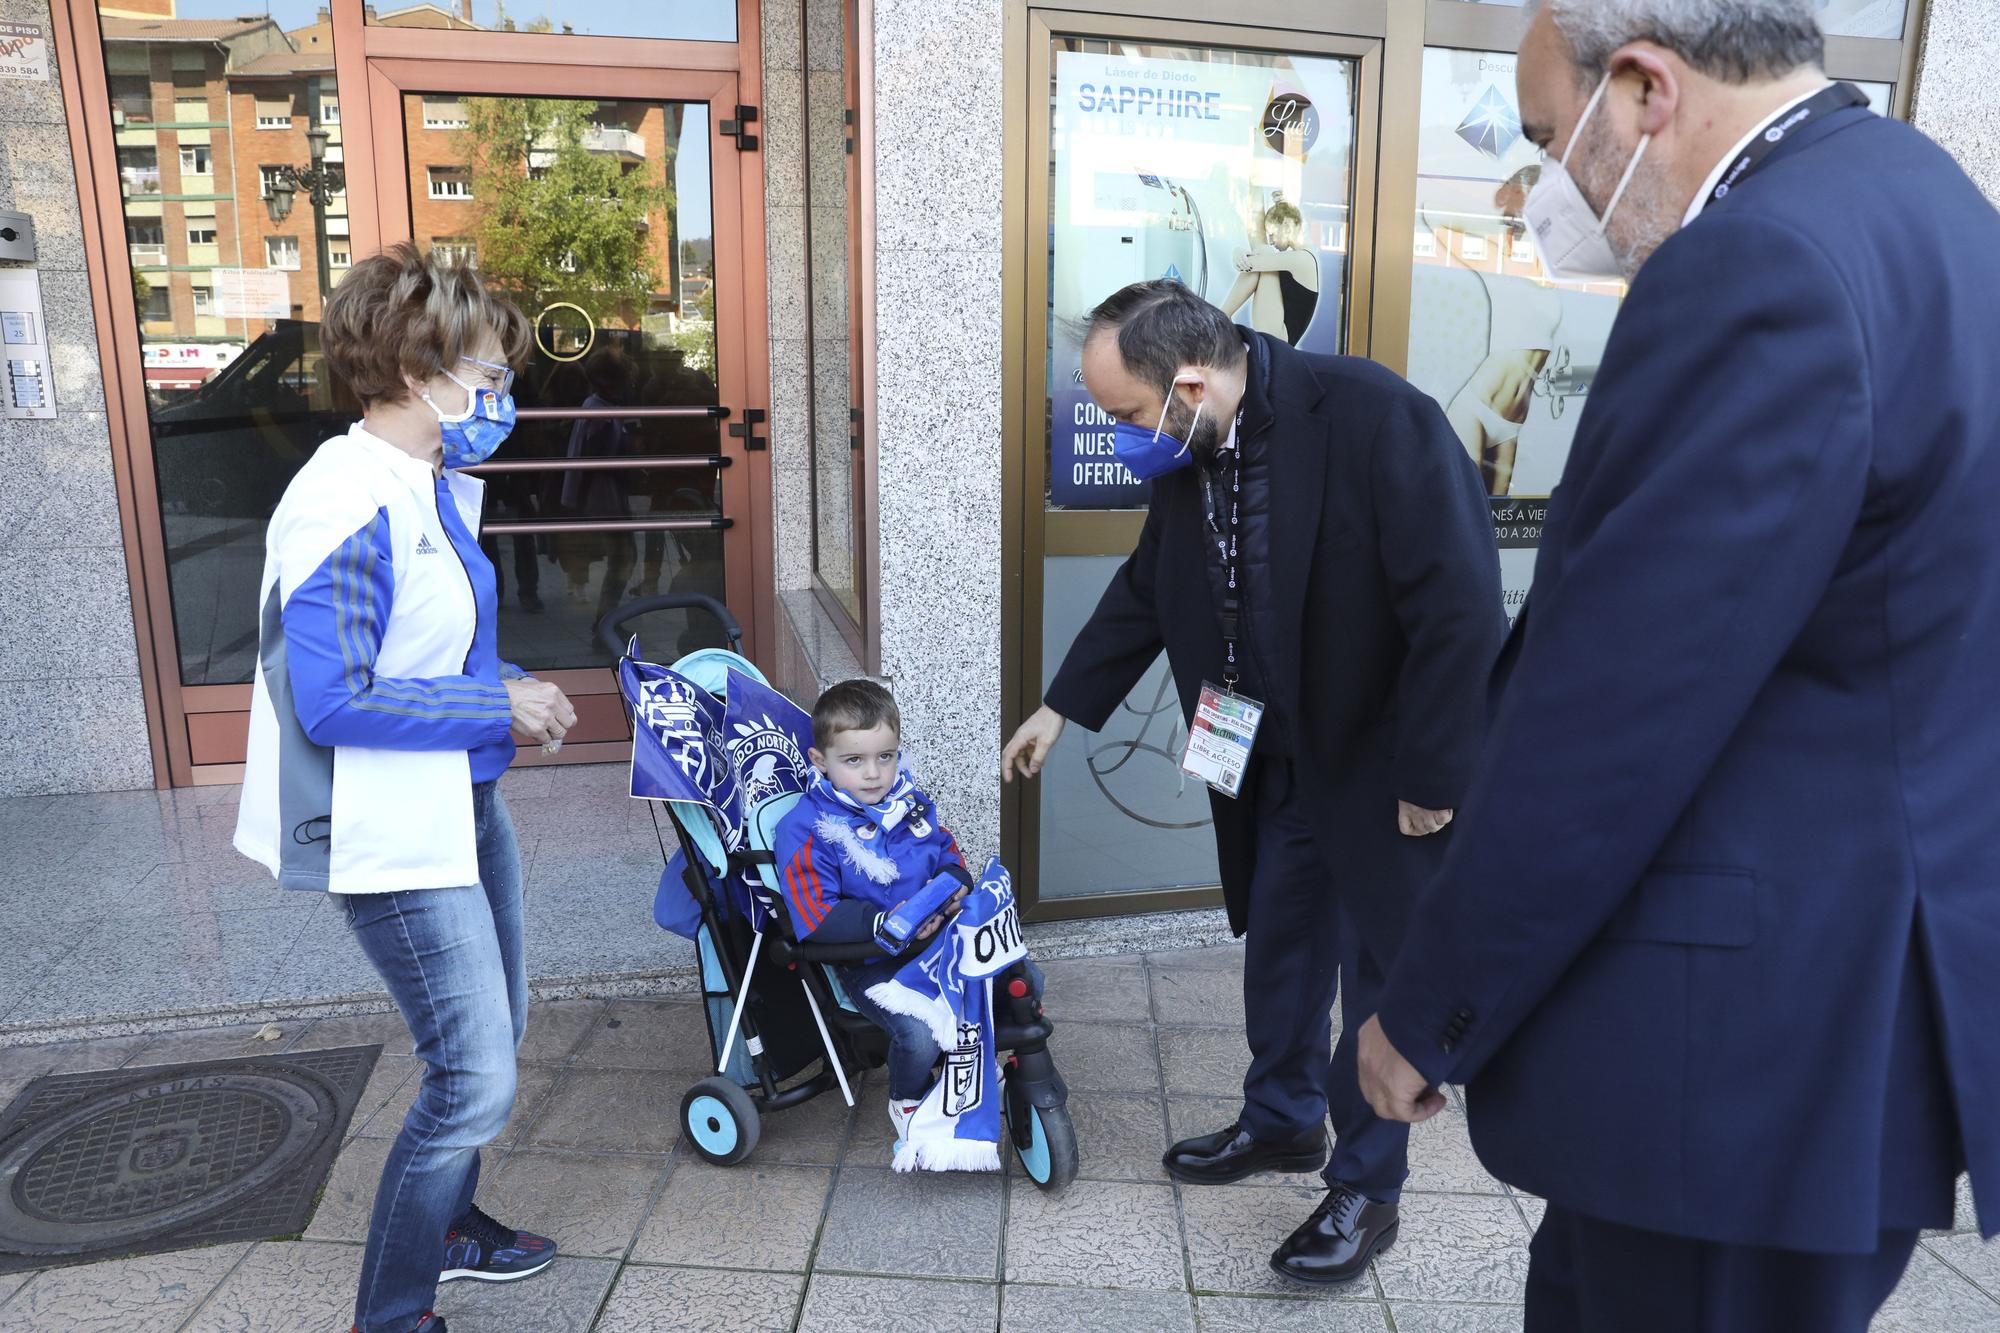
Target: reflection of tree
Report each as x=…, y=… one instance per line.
x=557, y=220
x=696, y=337
x=1121, y=752
x=142, y=291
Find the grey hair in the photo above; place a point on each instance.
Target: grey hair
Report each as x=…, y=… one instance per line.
x=1735, y=41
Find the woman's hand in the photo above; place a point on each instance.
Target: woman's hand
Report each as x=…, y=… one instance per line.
x=542, y=713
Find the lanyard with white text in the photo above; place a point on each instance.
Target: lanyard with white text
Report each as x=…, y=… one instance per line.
x=1834, y=97
x=1230, y=546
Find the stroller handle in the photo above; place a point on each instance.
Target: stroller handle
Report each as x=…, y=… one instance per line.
x=611, y=627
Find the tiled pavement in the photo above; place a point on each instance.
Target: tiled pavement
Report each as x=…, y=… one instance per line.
x=131, y=905
x=815, y=1234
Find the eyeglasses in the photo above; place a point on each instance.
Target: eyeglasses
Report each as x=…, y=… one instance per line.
x=498, y=378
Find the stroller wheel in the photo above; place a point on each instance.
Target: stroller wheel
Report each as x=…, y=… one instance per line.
x=720, y=1120
x=1049, y=1156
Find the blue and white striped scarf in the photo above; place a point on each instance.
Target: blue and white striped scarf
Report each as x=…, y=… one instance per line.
x=887, y=813
x=950, y=987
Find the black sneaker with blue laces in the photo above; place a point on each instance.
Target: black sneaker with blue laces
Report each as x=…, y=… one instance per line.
x=480, y=1248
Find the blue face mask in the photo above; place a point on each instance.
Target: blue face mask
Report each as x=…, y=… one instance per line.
x=472, y=436
x=1149, y=454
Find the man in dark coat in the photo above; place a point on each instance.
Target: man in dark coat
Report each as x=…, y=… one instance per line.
x=1717, y=950
x=1366, y=615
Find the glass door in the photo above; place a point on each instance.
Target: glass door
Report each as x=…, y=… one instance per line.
x=598, y=216
x=1240, y=163
x=202, y=124
x=583, y=157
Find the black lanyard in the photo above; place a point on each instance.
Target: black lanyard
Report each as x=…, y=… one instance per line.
x=1230, y=545
x=1834, y=97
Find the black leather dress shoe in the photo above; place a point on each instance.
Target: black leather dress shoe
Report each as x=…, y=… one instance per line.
x=1338, y=1240
x=1231, y=1154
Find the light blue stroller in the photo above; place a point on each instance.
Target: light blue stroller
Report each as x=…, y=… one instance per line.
x=724, y=754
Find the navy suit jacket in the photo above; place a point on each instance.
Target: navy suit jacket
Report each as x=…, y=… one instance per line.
x=1385, y=598
x=1717, y=949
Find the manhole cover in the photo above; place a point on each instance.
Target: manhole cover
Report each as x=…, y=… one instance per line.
x=147, y=1159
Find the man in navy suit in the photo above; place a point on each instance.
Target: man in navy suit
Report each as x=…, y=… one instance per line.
x=1314, y=521
x=1717, y=949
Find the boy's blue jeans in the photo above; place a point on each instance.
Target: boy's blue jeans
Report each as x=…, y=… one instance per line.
x=452, y=959
x=913, y=1052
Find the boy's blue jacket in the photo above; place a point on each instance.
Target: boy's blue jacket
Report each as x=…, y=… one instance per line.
x=839, y=867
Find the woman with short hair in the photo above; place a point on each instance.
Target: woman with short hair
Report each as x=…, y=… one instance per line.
x=381, y=721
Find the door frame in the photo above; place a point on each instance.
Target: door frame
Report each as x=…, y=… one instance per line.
x=1031, y=531
x=392, y=80
x=371, y=63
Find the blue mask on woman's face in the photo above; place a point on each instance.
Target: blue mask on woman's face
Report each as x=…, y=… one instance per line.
x=1154, y=454
x=471, y=437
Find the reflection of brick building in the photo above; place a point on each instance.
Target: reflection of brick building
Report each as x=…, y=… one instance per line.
x=202, y=107
x=177, y=161
x=208, y=108
x=277, y=98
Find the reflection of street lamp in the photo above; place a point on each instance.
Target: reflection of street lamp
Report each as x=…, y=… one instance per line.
x=320, y=181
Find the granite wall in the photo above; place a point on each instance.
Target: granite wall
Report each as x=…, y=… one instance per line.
x=72, y=713
x=938, y=301
x=1956, y=103
x=790, y=433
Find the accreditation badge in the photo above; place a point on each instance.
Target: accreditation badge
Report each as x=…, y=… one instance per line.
x=1220, y=738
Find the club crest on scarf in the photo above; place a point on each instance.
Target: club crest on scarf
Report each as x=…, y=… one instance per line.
x=964, y=1072
x=950, y=986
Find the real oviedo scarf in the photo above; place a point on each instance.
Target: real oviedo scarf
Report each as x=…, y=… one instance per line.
x=950, y=987
x=903, y=802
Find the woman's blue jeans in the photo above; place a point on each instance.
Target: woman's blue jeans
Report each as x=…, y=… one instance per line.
x=452, y=959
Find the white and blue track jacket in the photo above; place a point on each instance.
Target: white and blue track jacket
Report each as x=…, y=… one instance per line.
x=379, y=698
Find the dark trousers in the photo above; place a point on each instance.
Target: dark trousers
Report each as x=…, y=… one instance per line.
x=1585, y=1275
x=1300, y=947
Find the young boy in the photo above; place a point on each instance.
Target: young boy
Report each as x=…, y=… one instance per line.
x=862, y=841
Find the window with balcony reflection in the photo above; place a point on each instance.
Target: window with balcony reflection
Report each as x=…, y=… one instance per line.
x=209, y=105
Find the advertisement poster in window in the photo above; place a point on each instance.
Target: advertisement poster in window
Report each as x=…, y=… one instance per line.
x=1229, y=174
x=1508, y=353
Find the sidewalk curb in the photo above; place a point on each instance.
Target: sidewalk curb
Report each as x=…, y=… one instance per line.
x=1159, y=932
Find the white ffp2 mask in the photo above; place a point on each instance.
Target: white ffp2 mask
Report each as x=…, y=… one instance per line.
x=1569, y=235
